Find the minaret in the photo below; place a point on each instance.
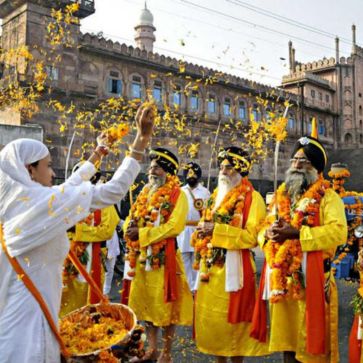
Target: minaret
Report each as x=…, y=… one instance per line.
x=354, y=39
x=144, y=36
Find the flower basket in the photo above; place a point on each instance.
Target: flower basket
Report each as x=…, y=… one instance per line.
x=93, y=329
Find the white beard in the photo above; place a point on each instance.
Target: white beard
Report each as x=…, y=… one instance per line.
x=155, y=182
x=225, y=184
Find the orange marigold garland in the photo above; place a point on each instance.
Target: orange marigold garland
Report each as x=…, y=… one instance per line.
x=284, y=259
x=339, y=180
x=229, y=212
x=144, y=213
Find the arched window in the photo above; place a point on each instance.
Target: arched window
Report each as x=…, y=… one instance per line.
x=360, y=138
x=360, y=110
x=348, y=139
x=158, y=91
x=177, y=95
x=136, y=87
x=114, y=83
x=194, y=101
x=227, y=107
x=291, y=122
x=321, y=127
x=242, y=110
x=309, y=125
x=256, y=113
x=268, y=113
x=212, y=105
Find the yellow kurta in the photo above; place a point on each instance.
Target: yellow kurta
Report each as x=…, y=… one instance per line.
x=214, y=334
x=287, y=318
x=75, y=294
x=147, y=288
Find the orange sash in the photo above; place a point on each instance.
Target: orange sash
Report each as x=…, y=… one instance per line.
x=37, y=295
x=170, y=290
x=315, y=301
x=96, y=262
x=241, y=302
x=355, y=345
x=259, y=318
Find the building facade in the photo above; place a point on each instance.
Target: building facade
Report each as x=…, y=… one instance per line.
x=95, y=69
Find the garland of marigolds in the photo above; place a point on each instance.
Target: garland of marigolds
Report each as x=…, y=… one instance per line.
x=284, y=259
x=229, y=212
x=144, y=213
x=339, y=180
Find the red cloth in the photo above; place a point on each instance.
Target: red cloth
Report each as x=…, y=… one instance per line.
x=355, y=345
x=241, y=302
x=315, y=300
x=96, y=261
x=170, y=284
x=126, y=286
x=95, y=271
x=315, y=303
x=259, y=318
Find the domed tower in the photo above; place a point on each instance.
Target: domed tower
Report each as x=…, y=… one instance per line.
x=144, y=36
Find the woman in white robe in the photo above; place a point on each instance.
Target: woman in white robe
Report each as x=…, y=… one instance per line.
x=35, y=217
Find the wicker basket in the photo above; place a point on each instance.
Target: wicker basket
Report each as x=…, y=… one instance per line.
x=113, y=310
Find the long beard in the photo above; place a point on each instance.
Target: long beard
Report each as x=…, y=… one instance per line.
x=298, y=180
x=225, y=184
x=155, y=182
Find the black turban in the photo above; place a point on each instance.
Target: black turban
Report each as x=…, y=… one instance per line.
x=313, y=150
x=165, y=159
x=192, y=168
x=237, y=157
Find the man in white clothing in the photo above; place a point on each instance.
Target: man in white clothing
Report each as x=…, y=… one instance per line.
x=113, y=250
x=197, y=195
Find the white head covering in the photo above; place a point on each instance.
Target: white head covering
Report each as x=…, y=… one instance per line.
x=14, y=175
x=30, y=213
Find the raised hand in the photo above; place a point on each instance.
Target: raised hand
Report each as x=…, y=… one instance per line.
x=145, y=120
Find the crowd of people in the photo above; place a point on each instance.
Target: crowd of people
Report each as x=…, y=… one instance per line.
x=189, y=260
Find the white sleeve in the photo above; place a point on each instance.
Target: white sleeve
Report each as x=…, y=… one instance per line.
x=114, y=190
x=84, y=173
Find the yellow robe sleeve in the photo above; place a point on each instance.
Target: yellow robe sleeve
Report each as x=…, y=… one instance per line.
x=333, y=229
x=173, y=227
x=234, y=238
x=102, y=232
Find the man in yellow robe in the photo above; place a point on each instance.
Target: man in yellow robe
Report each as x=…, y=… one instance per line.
x=159, y=292
x=301, y=289
x=86, y=241
x=226, y=286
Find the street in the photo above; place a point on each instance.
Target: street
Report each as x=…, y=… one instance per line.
x=185, y=351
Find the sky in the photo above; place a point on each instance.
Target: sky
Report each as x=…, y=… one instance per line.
x=232, y=36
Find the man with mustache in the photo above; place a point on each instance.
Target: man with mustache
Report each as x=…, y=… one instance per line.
x=226, y=279
x=305, y=225
x=159, y=292
x=197, y=195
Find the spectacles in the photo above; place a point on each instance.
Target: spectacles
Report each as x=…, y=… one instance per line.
x=300, y=160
